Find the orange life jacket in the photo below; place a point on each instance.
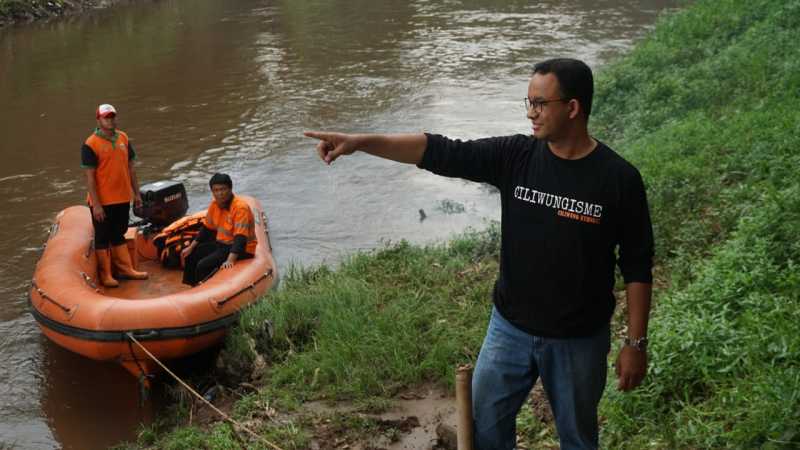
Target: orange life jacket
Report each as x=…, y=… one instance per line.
x=171, y=241
x=237, y=219
x=113, y=178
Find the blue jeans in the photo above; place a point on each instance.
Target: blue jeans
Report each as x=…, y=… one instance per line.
x=573, y=373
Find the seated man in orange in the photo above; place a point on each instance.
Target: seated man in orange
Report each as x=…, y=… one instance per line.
x=108, y=158
x=231, y=221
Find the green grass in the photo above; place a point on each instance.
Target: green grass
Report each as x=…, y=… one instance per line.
x=707, y=107
x=382, y=321
x=725, y=368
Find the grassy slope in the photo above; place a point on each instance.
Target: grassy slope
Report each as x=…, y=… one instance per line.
x=707, y=108
x=381, y=322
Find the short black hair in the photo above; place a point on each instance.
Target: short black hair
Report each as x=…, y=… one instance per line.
x=574, y=77
x=220, y=178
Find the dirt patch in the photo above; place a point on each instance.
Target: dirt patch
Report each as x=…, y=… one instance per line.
x=203, y=416
x=410, y=424
x=420, y=418
x=433, y=410
x=423, y=418
x=360, y=432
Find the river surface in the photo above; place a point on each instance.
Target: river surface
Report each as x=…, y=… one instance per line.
x=208, y=85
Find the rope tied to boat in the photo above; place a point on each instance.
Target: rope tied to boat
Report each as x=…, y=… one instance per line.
x=251, y=287
x=44, y=296
x=193, y=392
x=89, y=281
x=144, y=377
x=89, y=249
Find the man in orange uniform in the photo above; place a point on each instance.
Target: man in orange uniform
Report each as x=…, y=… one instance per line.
x=231, y=221
x=108, y=158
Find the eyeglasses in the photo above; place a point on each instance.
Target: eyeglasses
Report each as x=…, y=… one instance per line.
x=538, y=105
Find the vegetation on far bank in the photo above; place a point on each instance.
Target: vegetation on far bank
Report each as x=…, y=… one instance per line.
x=15, y=11
x=707, y=108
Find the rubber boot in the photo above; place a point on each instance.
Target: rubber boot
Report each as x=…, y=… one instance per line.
x=104, y=268
x=122, y=262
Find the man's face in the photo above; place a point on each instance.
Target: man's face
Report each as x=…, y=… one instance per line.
x=222, y=194
x=108, y=123
x=550, y=119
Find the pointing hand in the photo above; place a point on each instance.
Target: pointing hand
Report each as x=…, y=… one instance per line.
x=333, y=145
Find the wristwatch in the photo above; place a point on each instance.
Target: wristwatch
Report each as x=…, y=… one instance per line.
x=638, y=343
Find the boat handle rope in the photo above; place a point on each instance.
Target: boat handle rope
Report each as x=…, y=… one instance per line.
x=266, y=230
x=41, y=252
x=44, y=296
x=142, y=374
x=50, y=233
x=90, y=249
x=252, y=287
x=193, y=392
x=89, y=281
x=146, y=334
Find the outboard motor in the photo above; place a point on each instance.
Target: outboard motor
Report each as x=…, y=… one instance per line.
x=163, y=202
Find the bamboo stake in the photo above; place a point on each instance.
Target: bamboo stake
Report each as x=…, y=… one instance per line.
x=464, y=406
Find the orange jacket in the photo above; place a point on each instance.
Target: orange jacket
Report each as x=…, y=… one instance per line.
x=237, y=219
x=113, y=177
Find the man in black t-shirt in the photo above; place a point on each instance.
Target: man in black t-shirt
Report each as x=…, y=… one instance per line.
x=570, y=204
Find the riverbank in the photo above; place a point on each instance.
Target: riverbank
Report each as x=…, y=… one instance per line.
x=26, y=11
x=705, y=107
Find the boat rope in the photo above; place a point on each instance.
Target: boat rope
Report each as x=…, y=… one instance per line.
x=142, y=376
x=252, y=288
x=41, y=252
x=266, y=229
x=193, y=392
x=50, y=232
x=43, y=295
x=90, y=249
x=89, y=281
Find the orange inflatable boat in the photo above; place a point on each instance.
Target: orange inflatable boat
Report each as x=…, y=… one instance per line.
x=168, y=318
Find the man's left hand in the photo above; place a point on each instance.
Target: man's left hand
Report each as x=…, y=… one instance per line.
x=631, y=367
x=227, y=264
x=137, y=202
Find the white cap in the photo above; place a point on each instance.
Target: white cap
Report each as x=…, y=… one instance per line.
x=105, y=110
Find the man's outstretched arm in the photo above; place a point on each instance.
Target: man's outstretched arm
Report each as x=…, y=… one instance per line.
x=405, y=148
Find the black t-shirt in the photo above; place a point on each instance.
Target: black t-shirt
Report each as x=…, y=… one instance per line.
x=562, y=221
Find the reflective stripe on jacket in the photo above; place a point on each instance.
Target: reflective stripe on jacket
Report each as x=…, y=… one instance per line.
x=112, y=175
x=236, y=219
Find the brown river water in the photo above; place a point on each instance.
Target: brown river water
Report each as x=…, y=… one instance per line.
x=210, y=85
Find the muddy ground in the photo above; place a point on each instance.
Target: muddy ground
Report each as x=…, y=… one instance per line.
x=421, y=418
